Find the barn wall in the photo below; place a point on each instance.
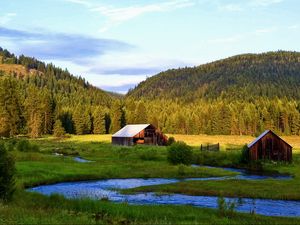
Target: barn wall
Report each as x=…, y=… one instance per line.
x=271, y=147
x=148, y=136
x=122, y=141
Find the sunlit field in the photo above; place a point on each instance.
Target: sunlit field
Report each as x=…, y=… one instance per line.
x=227, y=142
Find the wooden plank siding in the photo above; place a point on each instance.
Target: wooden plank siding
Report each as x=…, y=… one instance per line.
x=150, y=135
x=270, y=147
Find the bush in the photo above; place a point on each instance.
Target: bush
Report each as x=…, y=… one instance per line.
x=245, y=158
x=182, y=170
x=25, y=146
x=10, y=145
x=7, y=173
x=180, y=153
x=170, y=141
x=226, y=208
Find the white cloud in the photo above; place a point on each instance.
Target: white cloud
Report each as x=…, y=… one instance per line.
x=6, y=18
x=231, y=8
x=244, y=5
x=80, y=2
x=118, y=15
x=265, y=2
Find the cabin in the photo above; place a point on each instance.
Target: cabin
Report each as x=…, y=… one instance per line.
x=139, y=134
x=270, y=146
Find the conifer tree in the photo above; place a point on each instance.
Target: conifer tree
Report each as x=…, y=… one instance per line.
x=10, y=107
x=58, y=130
x=99, y=121
x=140, y=114
x=116, y=114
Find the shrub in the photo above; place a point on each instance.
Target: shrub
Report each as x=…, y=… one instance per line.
x=180, y=153
x=26, y=146
x=7, y=173
x=23, y=146
x=245, y=155
x=226, y=208
x=170, y=141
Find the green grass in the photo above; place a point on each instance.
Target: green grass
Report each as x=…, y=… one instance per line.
x=109, y=162
x=269, y=189
x=34, y=168
x=31, y=208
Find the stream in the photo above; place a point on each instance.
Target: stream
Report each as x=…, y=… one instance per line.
x=107, y=189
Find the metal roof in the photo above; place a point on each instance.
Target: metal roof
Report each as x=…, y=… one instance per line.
x=130, y=130
x=258, y=138
x=262, y=135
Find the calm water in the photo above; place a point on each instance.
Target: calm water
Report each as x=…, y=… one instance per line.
x=107, y=189
x=81, y=160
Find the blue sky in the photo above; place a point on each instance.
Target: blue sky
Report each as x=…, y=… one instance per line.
x=116, y=44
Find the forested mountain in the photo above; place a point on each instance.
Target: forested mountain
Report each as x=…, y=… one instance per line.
x=244, y=94
x=273, y=74
x=33, y=95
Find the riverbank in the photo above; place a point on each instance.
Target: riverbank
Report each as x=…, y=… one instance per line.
x=42, y=167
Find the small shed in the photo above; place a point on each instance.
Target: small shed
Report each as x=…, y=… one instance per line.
x=139, y=134
x=270, y=146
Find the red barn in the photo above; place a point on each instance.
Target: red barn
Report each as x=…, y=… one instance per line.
x=139, y=134
x=270, y=146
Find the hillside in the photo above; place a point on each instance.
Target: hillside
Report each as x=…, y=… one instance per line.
x=33, y=95
x=241, y=95
x=244, y=94
x=273, y=74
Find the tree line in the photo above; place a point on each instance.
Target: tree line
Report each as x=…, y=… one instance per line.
x=47, y=100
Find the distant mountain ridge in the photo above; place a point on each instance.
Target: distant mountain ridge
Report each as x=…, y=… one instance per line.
x=271, y=74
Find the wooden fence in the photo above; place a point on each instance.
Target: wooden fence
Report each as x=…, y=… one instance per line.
x=211, y=148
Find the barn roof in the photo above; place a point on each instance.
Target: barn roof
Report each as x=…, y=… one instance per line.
x=130, y=130
x=262, y=135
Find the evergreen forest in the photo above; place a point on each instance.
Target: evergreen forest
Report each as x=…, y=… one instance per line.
x=243, y=95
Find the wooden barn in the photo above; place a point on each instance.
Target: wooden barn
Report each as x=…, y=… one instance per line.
x=270, y=146
x=139, y=134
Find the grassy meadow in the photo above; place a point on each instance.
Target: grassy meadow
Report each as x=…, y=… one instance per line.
x=42, y=167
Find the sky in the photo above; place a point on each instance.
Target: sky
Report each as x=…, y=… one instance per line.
x=116, y=44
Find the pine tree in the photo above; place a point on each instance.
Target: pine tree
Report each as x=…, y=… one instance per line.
x=123, y=117
x=47, y=110
x=34, y=112
x=140, y=114
x=116, y=114
x=58, y=130
x=99, y=121
x=10, y=107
